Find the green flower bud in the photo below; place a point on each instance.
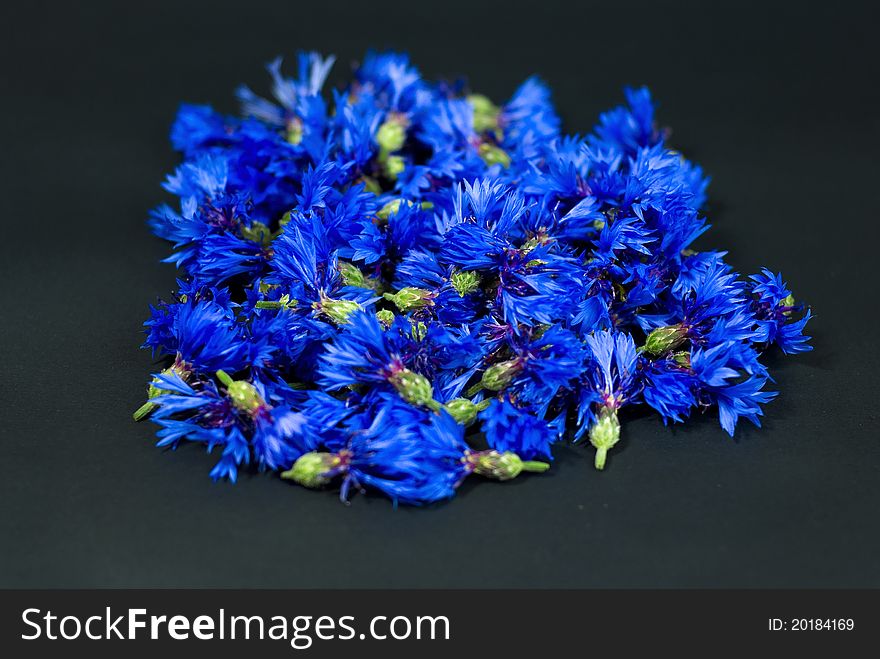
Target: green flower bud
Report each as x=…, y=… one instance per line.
x=352, y=276
x=493, y=155
x=503, y=466
x=410, y=298
x=337, y=310
x=485, y=113
x=394, y=166
x=386, y=317
x=462, y=410
x=371, y=185
x=294, y=133
x=391, y=134
x=414, y=388
x=313, y=469
x=465, y=282
x=244, y=396
x=664, y=339
x=178, y=368
x=498, y=376
x=257, y=232
x=682, y=358
x=393, y=206
x=604, y=434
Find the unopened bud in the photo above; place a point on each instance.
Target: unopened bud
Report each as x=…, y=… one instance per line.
x=503, y=466
x=352, y=276
x=244, y=396
x=393, y=206
x=465, y=281
x=294, y=132
x=337, y=310
x=493, y=155
x=485, y=113
x=462, y=410
x=410, y=298
x=664, y=339
x=498, y=376
x=394, y=166
x=391, y=134
x=414, y=388
x=313, y=469
x=257, y=232
x=386, y=317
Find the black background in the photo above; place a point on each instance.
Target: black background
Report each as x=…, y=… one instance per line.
x=778, y=103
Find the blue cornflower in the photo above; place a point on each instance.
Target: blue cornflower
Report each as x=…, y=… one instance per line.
x=611, y=381
x=774, y=308
x=511, y=428
x=238, y=419
x=399, y=270
x=417, y=457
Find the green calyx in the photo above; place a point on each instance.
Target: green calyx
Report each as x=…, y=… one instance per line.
x=294, y=132
x=371, y=185
x=465, y=282
x=414, y=388
x=498, y=376
x=257, y=232
x=336, y=310
x=663, y=339
x=386, y=317
x=153, y=391
x=493, y=155
x=314, y=469
x=244, y=395
x=284, y=302
x=393, y=166
x=462, y=410
x=503, y=466
x=409, y=298
x=352, y=276
x=393, y=206
x=485, y=113
x=604, y=434
x=391, y=135
x=418, y=330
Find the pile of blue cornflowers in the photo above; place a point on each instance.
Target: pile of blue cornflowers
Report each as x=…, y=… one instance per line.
x=398, y=285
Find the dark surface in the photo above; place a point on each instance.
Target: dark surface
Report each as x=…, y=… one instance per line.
x=780, y=105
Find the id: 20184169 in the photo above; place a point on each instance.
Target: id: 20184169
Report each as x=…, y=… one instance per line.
x=811, y=625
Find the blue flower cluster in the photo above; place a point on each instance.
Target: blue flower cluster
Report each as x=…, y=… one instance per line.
x=400, y=284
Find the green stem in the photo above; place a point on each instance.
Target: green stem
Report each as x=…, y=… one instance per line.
x=473, y=391
x=535, y=466
x=433, y=405
x=143, y=411
x=224, y=377
x=268, y=304
x=601, y=454
x=483, y=404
